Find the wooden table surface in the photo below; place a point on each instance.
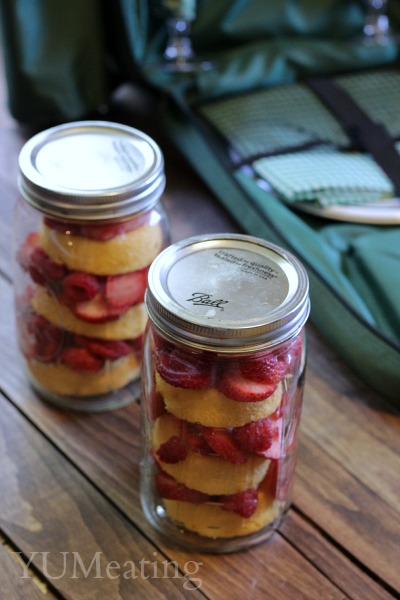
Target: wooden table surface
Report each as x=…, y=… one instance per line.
x=71, y=525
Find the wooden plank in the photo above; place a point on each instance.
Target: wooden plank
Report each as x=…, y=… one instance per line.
x=360, y=431
x=360, y=438
x=273, y=570
x=350, y=513
x=329, y=560
x=13, y=584
x=75, y=538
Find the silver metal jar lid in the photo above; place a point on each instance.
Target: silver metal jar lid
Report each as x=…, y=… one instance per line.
x=227, y=292
x=91, y=170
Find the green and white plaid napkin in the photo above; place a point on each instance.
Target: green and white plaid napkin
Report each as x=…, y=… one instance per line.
x=325, y=176
x=284, y=119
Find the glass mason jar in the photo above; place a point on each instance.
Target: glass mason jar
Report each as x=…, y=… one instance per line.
x=223, y=373
x=88, y=224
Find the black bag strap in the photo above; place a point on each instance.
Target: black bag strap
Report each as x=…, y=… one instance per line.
x=368, y=135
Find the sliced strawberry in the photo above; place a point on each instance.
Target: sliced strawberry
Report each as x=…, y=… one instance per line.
x=41, y=267
x=80, y=287
x=172, y=451
x=102, y=232
x=25, y=251
x=96, y=310
x=51, y=270
x=242, y=503
x=48, y=343
x=112, y=230
x=236, y=387
x=170, y=489
x=222, y=444
x=36, y=275
x=254, y=437
x=184, y=369
x=62, y=226
x=263, y=369
x=126, y=290
x=96, y=231
x=46, y=340
x=198, y=444
x=107, y=349
x=194, y=438
x=80, y=359
x=275, y=450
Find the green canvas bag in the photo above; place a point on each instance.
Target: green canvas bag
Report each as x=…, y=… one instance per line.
x=255, y=115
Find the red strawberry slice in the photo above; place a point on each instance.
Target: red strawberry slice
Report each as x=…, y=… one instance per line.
x=101, y=232
x=112, y=230
x=62, y=226
x=236, y=387
x=80, y=359
x=170, y=489
x=254, y=437
x=107, y=349
x=96, y=231
x=47, y=339
x=222, y=444
x=80, y=287
x=172, y=451
x=198, y=444
x=242, y=503
x=96, y=310
x=41, y=267
x=275, y=450
x=184, y=369
x=194, y=438
x=263, y=369
x=126, y=290
x=50, y=270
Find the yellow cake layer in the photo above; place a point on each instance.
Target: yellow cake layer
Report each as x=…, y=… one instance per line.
x=211, y=475
x=61, y=379
x=213, y=521
x=211, y=408
x=130, y=325
x=124, y=253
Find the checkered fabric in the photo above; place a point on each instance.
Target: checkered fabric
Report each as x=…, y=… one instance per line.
x=325, y=176
x=274, y=120
x=378, y=94
x=270, y=128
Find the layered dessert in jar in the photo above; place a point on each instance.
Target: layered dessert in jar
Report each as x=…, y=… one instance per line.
x=223, y=374
x=224, y=437
x=81, y=317
x=89, y=223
